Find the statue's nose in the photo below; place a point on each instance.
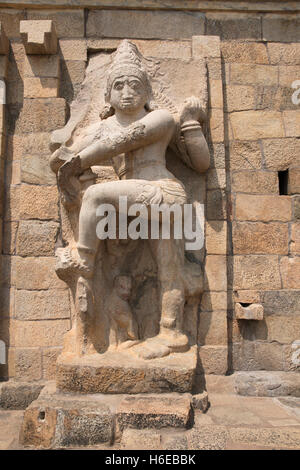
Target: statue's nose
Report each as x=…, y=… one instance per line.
x=127, y=92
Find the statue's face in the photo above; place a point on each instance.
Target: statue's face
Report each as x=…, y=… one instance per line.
x=128, y=94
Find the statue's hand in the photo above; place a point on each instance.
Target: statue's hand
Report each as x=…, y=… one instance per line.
x=68, y=183
x=192, y=110
x=59, y=157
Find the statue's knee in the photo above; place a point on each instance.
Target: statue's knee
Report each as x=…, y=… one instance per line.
x=91, y=197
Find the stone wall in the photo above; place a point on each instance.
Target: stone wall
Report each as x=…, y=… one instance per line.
x=252, y=231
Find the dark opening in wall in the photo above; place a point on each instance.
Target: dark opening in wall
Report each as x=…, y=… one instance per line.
x=283, y=177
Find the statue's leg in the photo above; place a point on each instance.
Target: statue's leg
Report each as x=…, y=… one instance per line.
x=169, y=256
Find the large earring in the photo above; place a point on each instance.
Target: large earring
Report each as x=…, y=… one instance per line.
x=106, y=111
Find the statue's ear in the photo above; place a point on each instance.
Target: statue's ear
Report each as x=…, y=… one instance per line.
x=106, y=111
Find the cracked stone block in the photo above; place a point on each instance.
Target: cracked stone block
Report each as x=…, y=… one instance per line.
x=249, y=312
x=38, y=36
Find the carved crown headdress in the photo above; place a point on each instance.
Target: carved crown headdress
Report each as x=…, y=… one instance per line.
x=127, y=60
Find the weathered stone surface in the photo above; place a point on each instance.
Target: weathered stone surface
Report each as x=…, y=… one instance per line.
x=252, y=355
x=281, y=153
x=282, y=438
x=38, y=36
x=148, y=24
x=125, y=373
x=206, y=46
x=216, y=237
x=38, y=202
x=294, y=181
x=288, y=74
x=56, y=420
x=247, y=296
x=284, y=54
x=244, y=52
x=263, y=208
x=295, y=238
x=10, y=19
x=251, y=312
x=286, y=335
x=292, y=123
x=42, y=274
x=18, y=395
x=253, y=74
x=213, y=359
x=215, y=273
x=216, y=178
x=154, y=411
x=49, y=358
x=282, y=302
x=207, y=437
x=281, y=28
x=36, y=238
x=200, y=401
x=4, y=44
x=73, y=49
x=28, y=363
x=216, y=205
x=41, y=115
x=144, y=439
x=3, y=67
x=216, y=93
x=68, y=23
x=296, y=207
x=213, y=301
x=216, y=124
x=35, y=87
x=290, y=272
x=255, y=182
x=239, y=98
x=267, y=384
x=256, y=272
x=36, y=169
x=42, y=305
x=44, y=333
x=232, y=25
x=213, y=328
x=41, y=66
x=245, y=155
x=253, y=125
x=260, y=238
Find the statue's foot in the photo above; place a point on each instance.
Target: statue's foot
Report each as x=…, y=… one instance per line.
x=174, y=340
x=68, y=263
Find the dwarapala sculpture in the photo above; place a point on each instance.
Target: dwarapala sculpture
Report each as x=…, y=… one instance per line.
x=132, y=134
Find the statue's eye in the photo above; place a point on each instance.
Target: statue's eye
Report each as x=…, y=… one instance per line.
x=118, y=85
x=134, y=84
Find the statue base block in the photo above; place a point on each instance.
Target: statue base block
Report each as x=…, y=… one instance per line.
x=123, y=372
x=61, y=420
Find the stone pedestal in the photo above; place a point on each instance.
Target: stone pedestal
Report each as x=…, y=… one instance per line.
x=124, y=372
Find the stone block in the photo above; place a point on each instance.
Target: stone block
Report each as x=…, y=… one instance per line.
x=251, y=312
x=41, y=66
x=239, y=98
x=274, y=438
x=144, y=439
x=42, y=274
x=247, y=296
x=213, y=301
x=214, y=67
x=73, y=49
x=200, y=401
x=73, y=71
x=4, y=43
x=17, y=395
x=12, y=201
x=217, y=155
x=28, y=363
x=286, y=335
x=279, y=154
x=35, y=87
x=281, y=28
x=245, y=155
x=206, y=46
x=101, y=374
x=296, y=207
x=213, y=328
x=68, y=23
x=148, y=24
x=216, y=125
x=216, y=237
x=255, y=182
x=288, y=74
x=284, y=54
x=216, y=93
x=253, y=74
x=216, y=205
x=38, y=36
x=244, y=52
x=36, y=238
x=216, y=179
x=267, y=384
x=154, y=411
x=233, y=25
x=295, y=238
x=290, y=272
x=258, y=355
x=260, y=238
x=49, y=358
x=213, y=359
x=294, y=181
x=254, y=125
x=282, y=302
x=10, y=19
x=41, y=115
x=274, y=98
x=44, y=333
x=42, y=305
x=291, y=121
x=256, y=272
x=263, y=208
x=38, y=202
x=3, y=67
x=36, y=169
x=13, y=173
x=215, y=273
